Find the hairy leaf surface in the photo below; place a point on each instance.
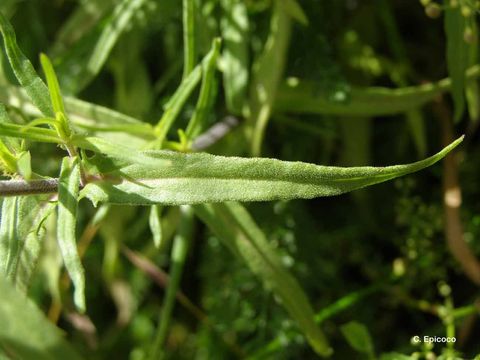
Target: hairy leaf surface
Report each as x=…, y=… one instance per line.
x=176, y=178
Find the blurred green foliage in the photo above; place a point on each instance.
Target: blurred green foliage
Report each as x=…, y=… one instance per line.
x=345, y=83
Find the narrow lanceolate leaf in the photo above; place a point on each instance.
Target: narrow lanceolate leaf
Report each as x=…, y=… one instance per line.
x=238, y=231
x=177, y=178
x=207, y=92
x=53, y=86
x=68, y=186
x=457, y=57
x=267, y=77
x=235, y=55
x=25, y=332
x=303, y=96
x=23, y=69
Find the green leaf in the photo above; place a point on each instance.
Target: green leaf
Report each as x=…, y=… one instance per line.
x=53, y=86
x=164, y=177
x=68, y=185
x=25, y=332
x=303, y=96
x=358, y=337
x=29, y=133
x=296, y=11
x=457, y=57
x=266, y=77
x=395, y=356
x=21, y=235
x=207, y=92
x=23, y=69
x=155, y=223
x=176, y=102
x=74, y=78
x=235, y=54
x=16, y=222
x=237, y=230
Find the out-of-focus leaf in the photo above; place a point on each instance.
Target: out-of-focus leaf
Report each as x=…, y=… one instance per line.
x=24, y=71
x=24, y=166
x=155, y=223
x=457, y=57
x=303, y=96
x=266, y=77
x=296, y=11
x=232, y=223
x=358, y=337
x=68, y=185
x=181, y=244
x=176, y=102
x=189, y=37
x=173, y=178
x=235, y=54
x=25, y=332
x=395, y=356
x=207, y=92
x=472, y=92
x=416, y=124
x=74, y=77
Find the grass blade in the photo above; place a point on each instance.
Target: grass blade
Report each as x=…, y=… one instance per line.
x=24, y=71
x=25, y=332
x=236, y=229
x=155, y=222
x=68, y=186
x=189, y=37
x=164, y=177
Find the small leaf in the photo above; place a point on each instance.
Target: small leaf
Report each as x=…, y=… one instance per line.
x=68, y=185
x=23, y=69
x=171, y=178
x=358, y=337
x=53, y=86
x=238, y=231
x=155, y=223
x=25, y=332
x=457, y=57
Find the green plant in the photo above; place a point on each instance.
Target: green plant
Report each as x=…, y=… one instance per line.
x=115, y=160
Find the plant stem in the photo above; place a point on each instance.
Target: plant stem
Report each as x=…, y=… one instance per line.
x=22, y=187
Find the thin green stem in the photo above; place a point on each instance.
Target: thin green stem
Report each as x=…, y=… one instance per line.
x=181, y=244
